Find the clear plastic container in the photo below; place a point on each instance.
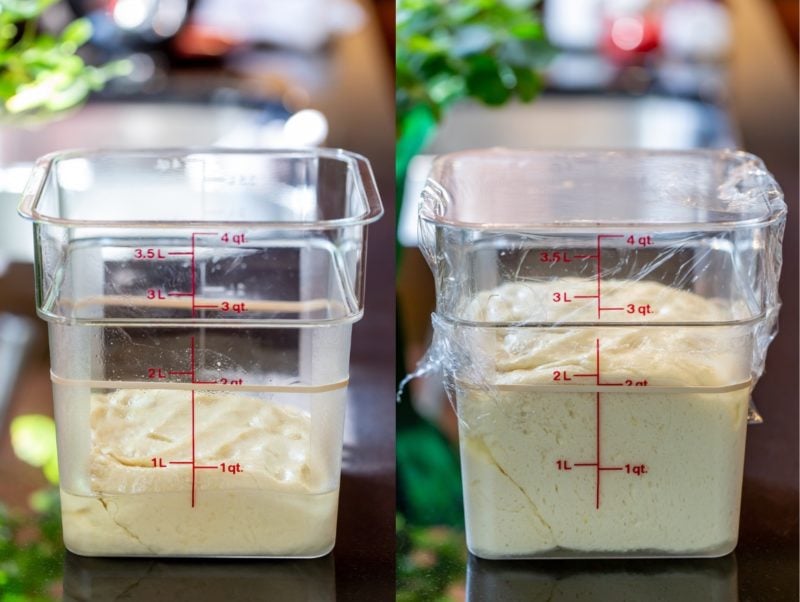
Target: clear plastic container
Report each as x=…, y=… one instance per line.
x=601, y=320
x=200, y=305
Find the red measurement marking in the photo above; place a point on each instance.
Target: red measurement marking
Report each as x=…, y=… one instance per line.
x=554, y=257
x=642, y=241
x=193, y=254
x=194, y=466
x=148, y=254
x=599, y=268
x=597, y=367
x=153, y=373
x=192, y=370
x=563, y=464
x=237, y=238
x=597, y=464
x=192, y=462
x=563, y=375
x=596, y=436
x=234, y=307
x=642, y=310
x=634, y=469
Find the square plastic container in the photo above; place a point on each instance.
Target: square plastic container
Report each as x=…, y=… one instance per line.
x=601, y=320
x=199, y=306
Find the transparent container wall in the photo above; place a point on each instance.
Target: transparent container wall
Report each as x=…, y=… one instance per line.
x=259, y=410
x=600, y=442
x=176, y=235
x=669, y=483
x=601, y=321
x=729, y=266
x=709, y=223
x=165, y=275
x=200, y=307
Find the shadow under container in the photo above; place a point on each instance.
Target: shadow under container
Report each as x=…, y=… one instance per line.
x=200, y=306
x=601, y=320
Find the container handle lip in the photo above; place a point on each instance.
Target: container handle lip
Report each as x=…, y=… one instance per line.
x=34, y=186
x=360, y=165
x=369, y=189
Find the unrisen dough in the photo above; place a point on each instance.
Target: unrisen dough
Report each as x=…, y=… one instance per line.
x=518, y=503
x=276, y=506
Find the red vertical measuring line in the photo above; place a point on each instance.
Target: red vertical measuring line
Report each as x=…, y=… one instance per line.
x=597, y=361
x=597, y=416
x=600, y=307
x=597, y=450
x=194, y=457
x=192, y=356
x=194, y=468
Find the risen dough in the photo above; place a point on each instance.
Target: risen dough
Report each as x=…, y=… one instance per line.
x=515, y=427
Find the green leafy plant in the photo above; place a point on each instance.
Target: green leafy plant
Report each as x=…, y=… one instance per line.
x=449, y=50
x=41, y=74
x=31, y=552
x=485, y=49
x=431, y=563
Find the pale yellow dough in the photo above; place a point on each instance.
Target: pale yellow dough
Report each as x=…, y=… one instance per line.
x=517, y=501
x=276, y=505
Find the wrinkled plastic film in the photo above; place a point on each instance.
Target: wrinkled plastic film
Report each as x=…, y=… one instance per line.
x=515, y=307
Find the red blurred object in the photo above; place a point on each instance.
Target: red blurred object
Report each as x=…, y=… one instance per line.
x=199, y=41
x=626, y=38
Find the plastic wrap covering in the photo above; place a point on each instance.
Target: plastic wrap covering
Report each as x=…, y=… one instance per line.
x=602, y=314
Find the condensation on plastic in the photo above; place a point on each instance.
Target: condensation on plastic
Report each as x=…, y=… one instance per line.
x=715, y=221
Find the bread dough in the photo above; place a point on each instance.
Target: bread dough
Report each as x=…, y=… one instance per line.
x=274, y=504
x=515, y=426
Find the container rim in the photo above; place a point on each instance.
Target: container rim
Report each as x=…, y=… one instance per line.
x=458, y=322
x=358, y=164
x=772, y=196
x=52, y=318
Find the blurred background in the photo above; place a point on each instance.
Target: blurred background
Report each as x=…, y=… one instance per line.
x=171, y=73
x=677, y=74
